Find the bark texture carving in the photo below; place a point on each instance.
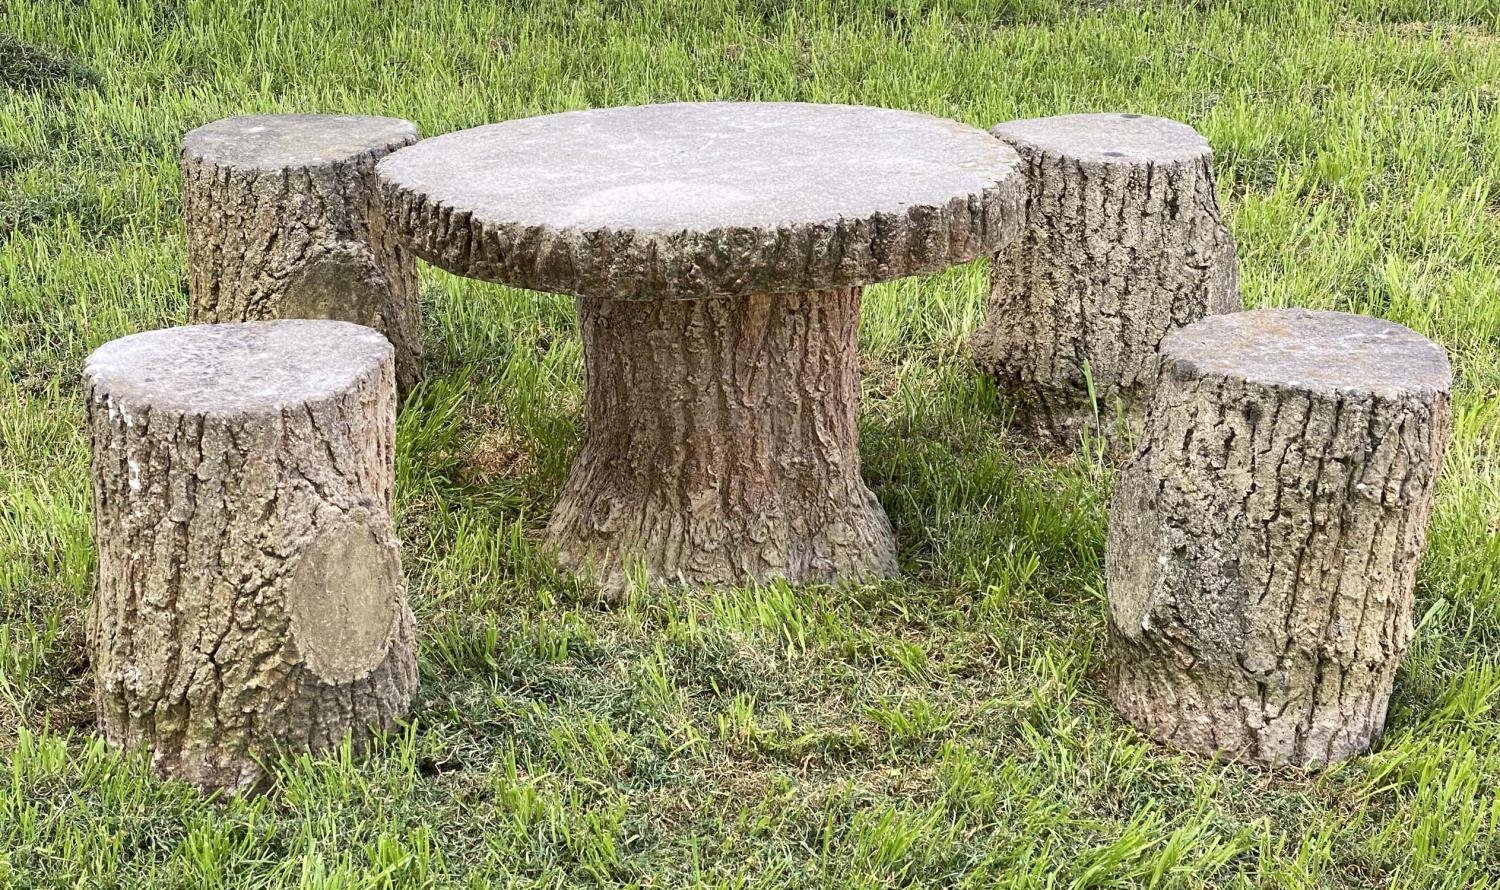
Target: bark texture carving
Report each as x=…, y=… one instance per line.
x=1123, y=243
x=249, y=593
x=722, y=444
x=731, y=261
x=283, y=221
x=1264, y=541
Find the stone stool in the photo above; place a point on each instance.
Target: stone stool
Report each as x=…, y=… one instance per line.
x=249, y=591
x=1264, y=541
x=1123, y=243
x=282, y=223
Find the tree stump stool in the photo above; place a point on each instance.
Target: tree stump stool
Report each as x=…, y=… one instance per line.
x=282, y=223
x=717, y=252
x=1123, y=243
x=1264, y=541
x=249, y=593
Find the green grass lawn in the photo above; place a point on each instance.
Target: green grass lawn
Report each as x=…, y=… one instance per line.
x=945, y=729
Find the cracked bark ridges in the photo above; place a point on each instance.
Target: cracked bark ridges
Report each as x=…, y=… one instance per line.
x=722, y=444
x=628, y=264
x=303, y=241
x=1263, y=548
x=203, y=522
x=1115, y=254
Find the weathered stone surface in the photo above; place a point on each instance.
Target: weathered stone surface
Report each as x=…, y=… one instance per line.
x=722, y=444
x=1264, y=541
x=1107, y=138
x=282, y=222
x=705, y=199
x=249, y=593
x=1123, y=243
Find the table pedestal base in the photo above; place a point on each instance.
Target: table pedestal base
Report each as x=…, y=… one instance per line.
x=722, y=445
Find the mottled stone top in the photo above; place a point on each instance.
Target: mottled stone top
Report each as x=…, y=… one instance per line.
x=1311, y=350
x=705, y=199
x=1107, y=138
x=243, y=368
x=279, y=141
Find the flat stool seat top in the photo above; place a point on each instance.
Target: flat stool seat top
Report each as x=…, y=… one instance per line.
x=230, y=369
x=705, y=199
x=1312, y=351
x=1113, y=138
x=276, y=142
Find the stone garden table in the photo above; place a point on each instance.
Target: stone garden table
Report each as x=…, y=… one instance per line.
x=717, y=252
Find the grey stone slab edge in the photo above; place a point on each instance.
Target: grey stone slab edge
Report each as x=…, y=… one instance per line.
x=249, y=369
x=276, y=143
x=720, y=262
x=1113, y=138
x=1310, y=350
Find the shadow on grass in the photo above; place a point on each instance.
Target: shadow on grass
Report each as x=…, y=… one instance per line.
x=27, y=67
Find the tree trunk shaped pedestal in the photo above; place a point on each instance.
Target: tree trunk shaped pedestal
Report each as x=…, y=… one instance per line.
x=750, y=468
x=1123, y=243
x=1264, y=541
x=249, y=594
x=282, y=222
x=717, y=252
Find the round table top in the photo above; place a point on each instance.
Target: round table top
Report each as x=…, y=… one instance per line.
x=705, y=199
